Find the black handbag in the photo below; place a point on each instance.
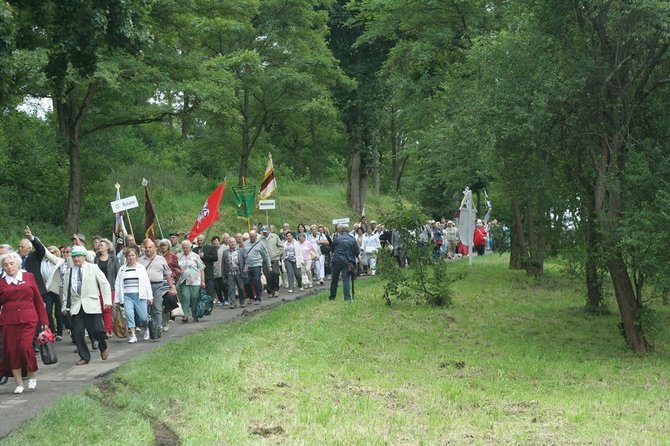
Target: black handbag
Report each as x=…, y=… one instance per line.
x=169, y=302
x=48, y=353
x=325, y=249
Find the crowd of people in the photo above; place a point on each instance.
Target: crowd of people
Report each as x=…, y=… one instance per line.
x=445, y=238
x=74, y=288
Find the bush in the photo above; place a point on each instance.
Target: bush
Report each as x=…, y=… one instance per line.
x=409, y=269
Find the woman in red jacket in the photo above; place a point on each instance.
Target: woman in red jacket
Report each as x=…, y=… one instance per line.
x=21, y=308
x=479, y=238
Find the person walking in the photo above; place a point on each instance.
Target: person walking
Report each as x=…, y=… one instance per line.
x=51, y=273
x=309, y=254
x=159, y=272
x=22, y=310
x=191, y=279
x=345, y=252
x=208, y=256
x=479, y=238
x=257, y=257
x=109, y=265
x=370, y=246
x=275, y=249
x=293, y=261
x=233, y=260
x=81, y=299
x=134, y=292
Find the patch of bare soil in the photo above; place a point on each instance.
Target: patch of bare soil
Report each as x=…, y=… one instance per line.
x=163, y=434
x=265, y=431
x=452, y=364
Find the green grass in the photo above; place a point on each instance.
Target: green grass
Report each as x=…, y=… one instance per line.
x=515, y=361
x=178, y=200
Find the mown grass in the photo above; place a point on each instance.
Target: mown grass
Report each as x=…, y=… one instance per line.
x=515, y=361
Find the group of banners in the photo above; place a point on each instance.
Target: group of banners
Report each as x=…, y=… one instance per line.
x=245, y=200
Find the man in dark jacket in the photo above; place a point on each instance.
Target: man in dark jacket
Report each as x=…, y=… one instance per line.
x=31, y=261
x=233, y=261
x=344, y=256
x=209, y=255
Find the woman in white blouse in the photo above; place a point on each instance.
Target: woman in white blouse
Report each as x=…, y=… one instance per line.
x=293, y=261
x=133, y=291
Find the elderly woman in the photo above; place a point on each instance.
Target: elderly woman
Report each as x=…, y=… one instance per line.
x=452, y=237
x=309, y=254
x=293, y=261
x=21, y=309
x=191, y=280
x=52, y=274
x=109, y=264
x=133, y=291
x=479, y=238
x=165, y=250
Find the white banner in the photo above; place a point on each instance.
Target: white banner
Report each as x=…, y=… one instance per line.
x=124, y=204
x=265, y=205
x=341, y=221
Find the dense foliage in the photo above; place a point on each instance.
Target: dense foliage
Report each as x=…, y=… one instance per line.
x=556, y=108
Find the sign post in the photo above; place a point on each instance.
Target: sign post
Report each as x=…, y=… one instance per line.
x=123, y=205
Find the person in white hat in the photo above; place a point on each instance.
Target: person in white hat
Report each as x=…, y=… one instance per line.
x=85, y=282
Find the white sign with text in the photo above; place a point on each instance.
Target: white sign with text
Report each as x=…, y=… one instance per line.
x=341, y=221
x=266, y=205
x=124, y=204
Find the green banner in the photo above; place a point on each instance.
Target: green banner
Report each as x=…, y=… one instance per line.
x=245, y=200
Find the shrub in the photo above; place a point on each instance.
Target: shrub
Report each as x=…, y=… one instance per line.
x=409, y=269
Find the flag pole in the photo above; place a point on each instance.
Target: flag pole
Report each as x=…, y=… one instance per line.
x=130, y=225
x=146, y=188
x=244, y=185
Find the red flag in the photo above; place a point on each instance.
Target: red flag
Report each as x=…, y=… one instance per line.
x=209, y=213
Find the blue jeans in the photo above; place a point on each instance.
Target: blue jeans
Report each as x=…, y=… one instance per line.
x=255, y=279
x=133, y=304
x=346, y=284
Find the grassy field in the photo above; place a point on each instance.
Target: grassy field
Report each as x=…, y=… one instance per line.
x=515, y=361
x=178, y=208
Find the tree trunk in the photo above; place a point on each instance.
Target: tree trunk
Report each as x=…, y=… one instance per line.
x=363, y=189
x=377, y=177
x=315, y=150
x=397, y=164
x=246, y=139
x=518, y=249
x=354, y=189
x=399, y=176
x=629, y=307
x=534, y=262
x=297, y=154
x=594, y=281
x=71, y=115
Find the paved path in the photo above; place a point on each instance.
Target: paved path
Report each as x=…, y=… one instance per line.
x=54, y=381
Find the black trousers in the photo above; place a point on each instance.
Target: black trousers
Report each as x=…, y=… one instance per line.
x=210, y=288
x=272, y=277
x=96, y=329
x=53, y=303
x=221, y=288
